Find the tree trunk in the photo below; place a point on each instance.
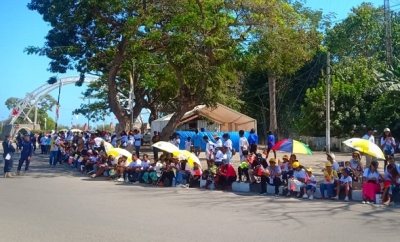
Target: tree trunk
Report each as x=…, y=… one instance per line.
x=119, y=112
x=186, y=103
x=153, y=113
x=169, y=129
x=273, y=123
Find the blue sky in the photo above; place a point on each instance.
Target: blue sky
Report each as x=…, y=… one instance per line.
x=22, y=73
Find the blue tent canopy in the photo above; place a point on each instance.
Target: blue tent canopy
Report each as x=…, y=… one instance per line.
x=234, y=136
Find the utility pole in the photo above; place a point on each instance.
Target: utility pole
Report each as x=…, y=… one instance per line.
x=388, y=35
x=132, y=93
x=328, y=103
x=88, y=116
x=58, y=105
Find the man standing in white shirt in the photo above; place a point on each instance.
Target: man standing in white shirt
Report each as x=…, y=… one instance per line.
x=369, y=136
x=243, y=145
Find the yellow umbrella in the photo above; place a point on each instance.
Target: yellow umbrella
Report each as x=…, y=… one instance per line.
x=191, y=158
x=365, y=146
x=107, y=146
x=166, y=146
x=120, y=152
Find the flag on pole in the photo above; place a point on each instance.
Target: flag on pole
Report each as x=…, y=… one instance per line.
x=15, y=112
x=57, y=113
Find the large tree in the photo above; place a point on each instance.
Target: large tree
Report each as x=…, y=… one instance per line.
x=283, y=44
x=193, y=42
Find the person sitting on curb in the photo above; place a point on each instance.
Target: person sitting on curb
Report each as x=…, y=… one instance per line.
x=226, y=176
x=297, y=182
x=311, y=184
x=371, y=183
x=344, y=183
x=274, y=175
x=393, y=179
x=210, y=174
x=329, y=182
x=356, y=166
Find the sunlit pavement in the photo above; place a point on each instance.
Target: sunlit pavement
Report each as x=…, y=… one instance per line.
x=58, y=204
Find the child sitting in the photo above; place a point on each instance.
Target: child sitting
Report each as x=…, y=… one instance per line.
x=195, y=176
x=311, y=184
x=210, y=174
x=344, y=183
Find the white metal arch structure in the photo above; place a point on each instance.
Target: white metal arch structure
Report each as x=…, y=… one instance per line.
x=32, y=98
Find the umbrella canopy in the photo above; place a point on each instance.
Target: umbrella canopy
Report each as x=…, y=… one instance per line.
x=365, y=146
x=166, y=146
x=120, y=152
x=292, y=146
x=107, y=146
x=191, y=158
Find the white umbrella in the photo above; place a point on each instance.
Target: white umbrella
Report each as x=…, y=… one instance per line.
x=165, y=146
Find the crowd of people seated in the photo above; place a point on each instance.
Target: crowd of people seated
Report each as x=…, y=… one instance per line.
x=87, y=154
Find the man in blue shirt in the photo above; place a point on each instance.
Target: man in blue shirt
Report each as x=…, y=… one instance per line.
x=253, y=141
x=26, y=153
x=271, y=142
x=197, y=138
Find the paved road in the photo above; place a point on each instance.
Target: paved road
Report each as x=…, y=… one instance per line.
x=56, y=204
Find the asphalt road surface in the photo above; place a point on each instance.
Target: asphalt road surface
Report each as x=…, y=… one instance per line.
x=57, y=204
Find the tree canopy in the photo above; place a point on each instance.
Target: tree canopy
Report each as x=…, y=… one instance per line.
x=264, y=58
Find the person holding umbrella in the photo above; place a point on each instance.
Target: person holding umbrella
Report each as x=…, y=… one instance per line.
x=369, y=136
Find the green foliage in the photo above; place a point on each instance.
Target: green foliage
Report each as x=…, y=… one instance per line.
x=385, y=112
x=352, y=92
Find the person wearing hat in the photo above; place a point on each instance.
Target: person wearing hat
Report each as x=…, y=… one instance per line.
x=388, y=145
x=8, y=153
x=330, y=178
x=273, y=176
x=344, y=183
x=209, y=148
x=331, y=158
x=297, y=182
x=26, y=153
x=311, y=184
x=356, y=166
x=218, y=141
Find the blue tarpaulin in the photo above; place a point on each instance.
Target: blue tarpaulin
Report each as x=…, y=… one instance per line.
x=234, y=136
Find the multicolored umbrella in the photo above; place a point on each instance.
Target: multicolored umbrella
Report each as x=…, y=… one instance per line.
x=365, y=146
x=292, y=146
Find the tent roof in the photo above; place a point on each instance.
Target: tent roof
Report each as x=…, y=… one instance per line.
x=220, y=114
